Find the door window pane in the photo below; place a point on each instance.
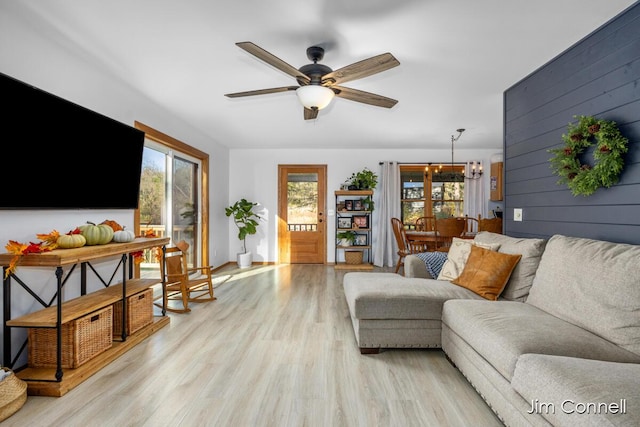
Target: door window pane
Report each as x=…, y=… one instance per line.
x=302, y=201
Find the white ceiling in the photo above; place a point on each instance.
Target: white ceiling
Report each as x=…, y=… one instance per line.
x=456, y=59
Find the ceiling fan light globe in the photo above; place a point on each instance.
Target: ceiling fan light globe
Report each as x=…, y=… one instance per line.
x=315, y=96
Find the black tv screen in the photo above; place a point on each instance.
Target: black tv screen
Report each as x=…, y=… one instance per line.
x=60, y=155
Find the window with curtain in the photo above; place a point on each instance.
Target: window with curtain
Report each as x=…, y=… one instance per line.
x=444, y=195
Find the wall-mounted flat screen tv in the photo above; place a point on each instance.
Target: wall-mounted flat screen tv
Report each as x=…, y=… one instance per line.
x=59, y=155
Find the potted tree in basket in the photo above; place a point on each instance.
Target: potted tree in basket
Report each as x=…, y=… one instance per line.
x=247, y=222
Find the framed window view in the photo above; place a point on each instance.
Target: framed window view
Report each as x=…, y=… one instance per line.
x=361, y=221
x=344, y=222
x=357, y=205
x=348, y=204
x=361, y=240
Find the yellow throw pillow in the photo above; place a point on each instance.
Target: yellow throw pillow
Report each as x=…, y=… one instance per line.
x=486, y=272
x=457, y=257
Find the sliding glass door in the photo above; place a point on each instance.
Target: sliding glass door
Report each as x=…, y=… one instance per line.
x=170, y=199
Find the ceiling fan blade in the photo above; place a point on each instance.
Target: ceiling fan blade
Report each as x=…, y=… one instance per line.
x=364, y=97
x=261, y=91
x=273, y=60
x=310, y=114
x=364, y=68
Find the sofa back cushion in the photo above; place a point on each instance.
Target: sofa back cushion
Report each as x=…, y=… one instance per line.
x=593, y=284
x=521, y=278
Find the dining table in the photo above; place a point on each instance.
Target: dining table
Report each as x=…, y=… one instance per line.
x=429, y=236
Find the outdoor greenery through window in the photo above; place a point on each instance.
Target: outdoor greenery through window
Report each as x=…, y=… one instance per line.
x=302, y=203
x=444, y=196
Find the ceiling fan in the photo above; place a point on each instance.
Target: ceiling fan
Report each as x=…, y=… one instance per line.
x=318, y=84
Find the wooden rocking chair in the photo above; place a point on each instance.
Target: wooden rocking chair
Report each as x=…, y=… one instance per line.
x=179, y=284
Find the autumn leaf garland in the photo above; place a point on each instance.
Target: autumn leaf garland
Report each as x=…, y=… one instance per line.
x=48, y=242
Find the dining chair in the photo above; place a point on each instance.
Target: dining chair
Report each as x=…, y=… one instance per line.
x=425, y=223
x=446, y=230
x=183, y=283
x=494, y=225
x=470, y=227
x=405, y=246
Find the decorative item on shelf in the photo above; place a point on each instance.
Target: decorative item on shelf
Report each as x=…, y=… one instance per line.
x=48, y=242
x=353, y=257
x=361, y=240
x=99, y=234
x=348, y=205
x=367, y=203
x=346, y=238
x=361, y=221
x=123, y=236
x=246, y=220
x=73, y=239
x=584, y=179
x=113, y=224
x=363, y=180
x=345, y=222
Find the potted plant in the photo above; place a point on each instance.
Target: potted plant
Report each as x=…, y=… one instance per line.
x=363, y=180
x=247, y=222
x=346, y=238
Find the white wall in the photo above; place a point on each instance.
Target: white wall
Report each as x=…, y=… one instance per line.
x=26, y=53
x=254, y=176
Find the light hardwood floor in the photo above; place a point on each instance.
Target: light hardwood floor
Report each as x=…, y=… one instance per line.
x=276, y=349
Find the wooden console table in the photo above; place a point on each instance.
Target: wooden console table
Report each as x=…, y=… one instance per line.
x=53, y=381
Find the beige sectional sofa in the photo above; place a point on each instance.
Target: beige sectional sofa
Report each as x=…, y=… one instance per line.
x=561, y=346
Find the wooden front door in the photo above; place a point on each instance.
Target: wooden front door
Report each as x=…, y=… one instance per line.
x=302, y=228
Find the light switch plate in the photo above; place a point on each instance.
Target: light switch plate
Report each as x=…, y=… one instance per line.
x=517, y=214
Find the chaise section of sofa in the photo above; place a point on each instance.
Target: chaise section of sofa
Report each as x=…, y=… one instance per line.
x=388, y=310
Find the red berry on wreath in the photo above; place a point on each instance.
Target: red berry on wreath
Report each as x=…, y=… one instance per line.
x=594, y=128
x=577, y=137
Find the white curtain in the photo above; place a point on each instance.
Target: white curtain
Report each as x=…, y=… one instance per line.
x=474, y=193
x=387, y=207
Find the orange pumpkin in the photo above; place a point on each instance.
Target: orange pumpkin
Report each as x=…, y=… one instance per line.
x=111, y=223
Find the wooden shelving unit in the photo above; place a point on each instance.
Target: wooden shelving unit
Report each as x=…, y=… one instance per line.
x=355, y=200
x=56, y=381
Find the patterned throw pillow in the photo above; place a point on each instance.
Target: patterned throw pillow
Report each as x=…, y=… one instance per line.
x=434, y=261
x=458, y=255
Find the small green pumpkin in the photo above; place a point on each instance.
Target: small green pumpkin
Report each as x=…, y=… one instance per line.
x=71, y=240
x=96, y=234
x=123, y=236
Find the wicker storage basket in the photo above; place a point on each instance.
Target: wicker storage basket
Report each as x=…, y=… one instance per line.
x=13, y=394
x=139, y=312
x=353, y=257
x=82, y=339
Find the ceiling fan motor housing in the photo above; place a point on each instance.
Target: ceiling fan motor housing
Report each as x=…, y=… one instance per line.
x=314, y=72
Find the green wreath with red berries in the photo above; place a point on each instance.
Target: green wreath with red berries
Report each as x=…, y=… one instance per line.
x=582, y=178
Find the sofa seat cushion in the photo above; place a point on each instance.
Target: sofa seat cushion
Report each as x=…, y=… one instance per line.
x=522, y=276
x=592, y=284
x=501, y=331
x=571, y=392
x=392, y=296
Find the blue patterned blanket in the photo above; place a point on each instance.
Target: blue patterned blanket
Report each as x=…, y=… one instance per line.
x=434, y=261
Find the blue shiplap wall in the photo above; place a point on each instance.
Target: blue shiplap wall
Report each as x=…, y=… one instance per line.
x=599, y=76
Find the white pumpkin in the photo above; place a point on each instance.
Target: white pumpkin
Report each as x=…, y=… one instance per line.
x=123, y=236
